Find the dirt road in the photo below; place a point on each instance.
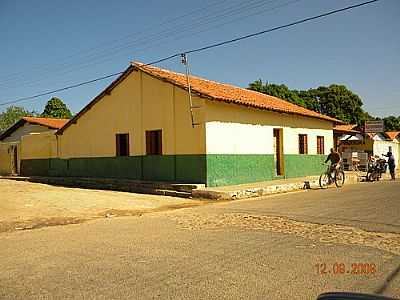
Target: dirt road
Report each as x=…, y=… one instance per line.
x=267, y=248
x=25, y=205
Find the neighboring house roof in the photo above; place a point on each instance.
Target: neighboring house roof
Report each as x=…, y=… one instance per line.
x=352, y=129
x=388, y=135
x=211, y=90
x=346, y=128
x=50, y=123
x=392, y=134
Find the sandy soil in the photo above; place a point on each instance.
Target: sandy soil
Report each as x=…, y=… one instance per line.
x=325, y=233
x=25, y=205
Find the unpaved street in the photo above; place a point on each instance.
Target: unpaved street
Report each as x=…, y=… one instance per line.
x=25, y=205
x=266, y=248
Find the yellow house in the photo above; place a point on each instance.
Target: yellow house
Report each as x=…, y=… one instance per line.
x=141, y=127
x=10, y=140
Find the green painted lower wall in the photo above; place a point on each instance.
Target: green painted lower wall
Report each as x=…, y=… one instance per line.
x=211, y=169
x=35, y=167
x=159, y=167
x=299, y=165
x=182, y=168
x=102, y=167
x=228, y=169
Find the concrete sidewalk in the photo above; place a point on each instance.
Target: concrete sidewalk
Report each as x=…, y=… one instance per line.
x=264, y=188
x=196, y=191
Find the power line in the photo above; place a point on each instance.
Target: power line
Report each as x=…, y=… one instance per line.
x=165, y=33
x=123, y=38
x=198, y=50
x=61, y=89
x=155, y=39
x=280, y=27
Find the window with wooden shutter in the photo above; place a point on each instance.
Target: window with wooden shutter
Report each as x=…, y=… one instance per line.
x=303, y=144
x=154, y=142
x=320, y=145
x=122, y=144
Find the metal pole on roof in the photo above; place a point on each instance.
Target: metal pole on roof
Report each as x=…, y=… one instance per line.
x=185, y=61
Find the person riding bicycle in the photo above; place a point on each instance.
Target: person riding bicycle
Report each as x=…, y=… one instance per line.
x=335, y=159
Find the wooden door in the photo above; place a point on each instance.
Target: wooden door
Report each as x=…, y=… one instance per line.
x=14, y=170
x=278, y=153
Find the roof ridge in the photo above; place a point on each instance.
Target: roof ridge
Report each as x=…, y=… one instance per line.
x=290, y=107
x=44, y=118
x=209, y=80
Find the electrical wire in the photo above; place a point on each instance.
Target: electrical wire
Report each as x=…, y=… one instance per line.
x=219, y=44
x=123, y=38
x=166, y=32
x=62, y=89
x=160, y=40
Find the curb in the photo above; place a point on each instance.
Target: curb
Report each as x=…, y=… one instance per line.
x=238, y=193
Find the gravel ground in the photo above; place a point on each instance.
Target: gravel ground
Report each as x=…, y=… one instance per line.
x=25, y=205
x=325, y=233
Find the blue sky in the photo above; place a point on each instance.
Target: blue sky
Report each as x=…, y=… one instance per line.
x=50, y=44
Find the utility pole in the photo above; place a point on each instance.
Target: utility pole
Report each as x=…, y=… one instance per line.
x=185, y=62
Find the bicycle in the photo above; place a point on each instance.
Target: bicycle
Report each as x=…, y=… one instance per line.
x=327, y=179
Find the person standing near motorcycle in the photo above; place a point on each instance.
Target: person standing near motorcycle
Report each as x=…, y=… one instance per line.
x=391, y=164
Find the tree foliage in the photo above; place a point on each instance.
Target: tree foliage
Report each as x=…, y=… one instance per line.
x=334, y=100
x=392, y=123
x=56, y=108
x=277, y=90
x=13, y=114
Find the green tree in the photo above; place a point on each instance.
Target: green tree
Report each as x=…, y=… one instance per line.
x=339, y=102
x=335, y=100
x=277, y=90
x=13, y=114
x=56, y=108
x=392, y=123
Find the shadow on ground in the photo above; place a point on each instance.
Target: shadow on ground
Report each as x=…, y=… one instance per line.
x=40, y=222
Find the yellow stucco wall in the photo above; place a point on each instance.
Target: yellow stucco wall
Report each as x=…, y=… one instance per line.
x=137, y=104
x=5, y=159
x=36, y=146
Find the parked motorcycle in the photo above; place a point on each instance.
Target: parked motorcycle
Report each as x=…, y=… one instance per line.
x=376, y=167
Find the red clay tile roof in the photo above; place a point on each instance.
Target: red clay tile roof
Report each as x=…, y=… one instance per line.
x=392, y=134
x=346, y=128
x=231, y=94
x=207, y=89
x=48, y=122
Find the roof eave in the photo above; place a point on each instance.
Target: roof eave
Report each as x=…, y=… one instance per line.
x=203, y=95
x=12, y=128
x=105, y=92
